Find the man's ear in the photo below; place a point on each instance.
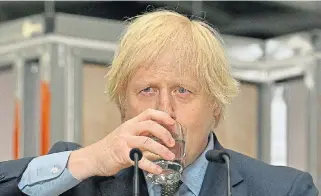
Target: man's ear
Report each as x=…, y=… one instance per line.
x=122, y=113
x=122, y=109
x=217, y=110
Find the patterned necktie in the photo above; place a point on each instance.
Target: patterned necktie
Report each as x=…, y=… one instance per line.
x=170, y=189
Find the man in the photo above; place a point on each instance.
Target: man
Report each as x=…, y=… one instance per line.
x=167, y=69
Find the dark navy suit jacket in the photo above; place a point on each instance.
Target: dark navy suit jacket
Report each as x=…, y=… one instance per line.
x=249, y=177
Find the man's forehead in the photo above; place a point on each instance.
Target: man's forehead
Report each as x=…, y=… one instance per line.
x=154, y=76
x=166, y=66
x=164, y=71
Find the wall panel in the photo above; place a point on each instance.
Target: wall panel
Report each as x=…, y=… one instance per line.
x=100, y=117
x=238, y=130
x=7, y=100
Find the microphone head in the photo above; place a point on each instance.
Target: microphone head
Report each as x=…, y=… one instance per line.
x=133, y=152
x=216, y=156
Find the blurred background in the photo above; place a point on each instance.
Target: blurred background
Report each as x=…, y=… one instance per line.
x=54, y=56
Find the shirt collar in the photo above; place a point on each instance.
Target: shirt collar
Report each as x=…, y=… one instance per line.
x=193, y=175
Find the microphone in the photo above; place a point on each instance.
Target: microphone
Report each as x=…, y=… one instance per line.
x=135, y=155
x=220, y=156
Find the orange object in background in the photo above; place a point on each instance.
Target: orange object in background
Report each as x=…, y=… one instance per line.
x=16, y=131
x=45, y=118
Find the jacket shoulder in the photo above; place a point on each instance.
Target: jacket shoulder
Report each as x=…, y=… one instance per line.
x=264, y=179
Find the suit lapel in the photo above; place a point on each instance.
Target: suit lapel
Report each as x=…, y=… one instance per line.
x=215, y=180
x=122, y=184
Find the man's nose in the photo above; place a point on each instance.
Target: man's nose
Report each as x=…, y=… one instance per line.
x=166, y=104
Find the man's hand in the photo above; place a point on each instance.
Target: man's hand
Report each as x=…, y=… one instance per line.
x=111, y=154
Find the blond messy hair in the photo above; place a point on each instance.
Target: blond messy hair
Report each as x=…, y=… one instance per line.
x=196, y=46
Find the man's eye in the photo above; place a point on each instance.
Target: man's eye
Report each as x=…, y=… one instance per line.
x=182, y=90
x=149, y=91
x=146, y=90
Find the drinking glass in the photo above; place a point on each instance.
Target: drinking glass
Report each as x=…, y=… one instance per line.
x=172, y=170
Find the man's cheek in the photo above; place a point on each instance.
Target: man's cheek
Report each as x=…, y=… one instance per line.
x=131, y=112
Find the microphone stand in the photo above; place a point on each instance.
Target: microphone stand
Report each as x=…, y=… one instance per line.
x=136, y=155
x=136, y=177
x=227, y=161
x=220, y=156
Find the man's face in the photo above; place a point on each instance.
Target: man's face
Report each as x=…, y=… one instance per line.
x=160, y=87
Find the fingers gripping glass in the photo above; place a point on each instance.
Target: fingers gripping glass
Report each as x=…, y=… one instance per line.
x=172, y=170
